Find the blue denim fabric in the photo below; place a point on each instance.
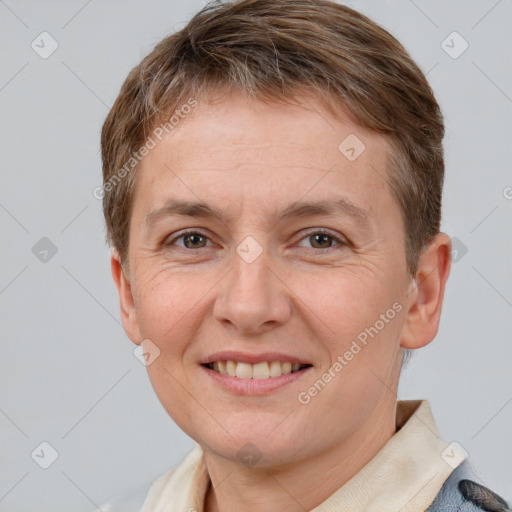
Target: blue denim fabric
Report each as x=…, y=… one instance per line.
x=452, y=499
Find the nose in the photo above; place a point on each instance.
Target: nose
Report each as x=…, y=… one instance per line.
x=253, y=298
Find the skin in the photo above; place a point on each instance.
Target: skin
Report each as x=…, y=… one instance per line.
x=300, y=296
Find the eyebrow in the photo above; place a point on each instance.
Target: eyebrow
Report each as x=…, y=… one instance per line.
x=297, y=209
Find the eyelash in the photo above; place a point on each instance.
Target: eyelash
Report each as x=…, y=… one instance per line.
x=339, y=241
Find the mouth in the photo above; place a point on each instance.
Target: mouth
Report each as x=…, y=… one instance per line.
x=258, y=371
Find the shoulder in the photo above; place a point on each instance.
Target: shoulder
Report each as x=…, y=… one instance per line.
x=463, y=493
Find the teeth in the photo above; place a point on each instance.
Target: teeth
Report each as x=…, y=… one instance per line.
x=286, y=368
x=231, y=368
x=262, y=370
x=243, y=370
x=275, y=369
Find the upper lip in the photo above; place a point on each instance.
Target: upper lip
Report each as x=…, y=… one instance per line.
x=246, y=357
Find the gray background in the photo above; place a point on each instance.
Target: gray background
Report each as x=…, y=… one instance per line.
x=68, y=373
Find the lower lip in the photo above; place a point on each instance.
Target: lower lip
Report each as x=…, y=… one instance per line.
x=254, y=386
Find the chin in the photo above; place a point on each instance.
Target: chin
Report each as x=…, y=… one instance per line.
x=257, y=440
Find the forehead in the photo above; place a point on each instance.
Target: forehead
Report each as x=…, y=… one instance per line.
x=241, y=149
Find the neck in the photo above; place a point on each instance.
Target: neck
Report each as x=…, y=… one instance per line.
x=297, y=486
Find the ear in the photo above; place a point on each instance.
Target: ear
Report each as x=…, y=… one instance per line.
x=426, y=293
x=128, y=311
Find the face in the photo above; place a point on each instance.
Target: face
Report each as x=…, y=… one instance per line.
x=294, y=254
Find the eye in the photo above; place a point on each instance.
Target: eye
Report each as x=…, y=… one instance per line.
x=318, y=239
x=322, y=239
x=191, y=240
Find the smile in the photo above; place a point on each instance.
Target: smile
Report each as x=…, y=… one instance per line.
x=261, y=370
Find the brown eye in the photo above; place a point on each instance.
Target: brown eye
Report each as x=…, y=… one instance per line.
x=194, y=240
x=321, y=241
x=189, y=240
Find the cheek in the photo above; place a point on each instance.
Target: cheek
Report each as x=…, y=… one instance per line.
x=355, y=314
x=343, y=298
x=167, y=304
x=170, y=309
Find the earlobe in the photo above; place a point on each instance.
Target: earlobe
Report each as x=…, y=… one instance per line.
x=126, y=302
x=427, y=293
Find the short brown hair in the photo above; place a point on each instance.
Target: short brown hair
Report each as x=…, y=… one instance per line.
x=272, y=50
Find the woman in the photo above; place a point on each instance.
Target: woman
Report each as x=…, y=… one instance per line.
x=272, y=193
